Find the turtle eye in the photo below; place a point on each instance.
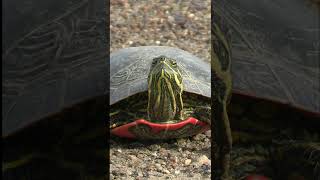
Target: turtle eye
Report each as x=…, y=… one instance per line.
x=162, y=58
x=155, y=61
x=174, y=63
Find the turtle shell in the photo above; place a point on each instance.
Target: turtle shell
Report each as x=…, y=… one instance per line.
x=129, y=69
x=53, y=58
x=275, y=50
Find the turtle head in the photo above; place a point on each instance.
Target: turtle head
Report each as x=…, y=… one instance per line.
x=165, y=91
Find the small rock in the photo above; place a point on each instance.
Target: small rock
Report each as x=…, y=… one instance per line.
x=140, y=174
x=191, y=15
x=166, y=171
x=208, y=133
x=199, y=137
x=174, y=159
x=180, y=19
x=187, y=162
x=158, y=166
x=203, y=160
x=198, y=5
x=170, y=19
x=129, y=172
x=154, y=147
x=133, y=157
x=154, y=154
x=119, y=150
x=140, y=156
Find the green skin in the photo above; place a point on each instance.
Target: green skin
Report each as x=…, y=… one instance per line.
x=165, y=91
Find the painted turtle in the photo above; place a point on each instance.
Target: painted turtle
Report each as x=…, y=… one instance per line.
x=53, y=61
x=275, y=56
x=158, y=92
x=275, y=70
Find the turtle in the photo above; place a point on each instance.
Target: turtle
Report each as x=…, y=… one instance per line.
x=275, y=72
x=274, y=55
x=154, y=92
x=53, y=74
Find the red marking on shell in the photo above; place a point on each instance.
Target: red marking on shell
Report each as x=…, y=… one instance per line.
x=257, y=177
x=123, y=131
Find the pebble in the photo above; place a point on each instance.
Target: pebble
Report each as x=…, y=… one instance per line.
x=174, y=159
x=140, y=173
x=208, y=133
x=191, y=15
x=158, y=166
x=180, y=19
x=171, y=19
x=166, y=171
x=133, y=158
x=187, y=162
x=203, y=160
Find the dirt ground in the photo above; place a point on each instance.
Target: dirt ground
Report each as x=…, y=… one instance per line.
x=182, y=24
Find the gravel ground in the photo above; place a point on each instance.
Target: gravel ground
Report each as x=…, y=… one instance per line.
x=186, y=25
x=183, y=24
x=187, y=158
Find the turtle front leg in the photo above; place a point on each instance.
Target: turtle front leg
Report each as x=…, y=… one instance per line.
x=223, y=139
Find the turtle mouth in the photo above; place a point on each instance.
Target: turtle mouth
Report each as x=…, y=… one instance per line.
x=142, y=128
